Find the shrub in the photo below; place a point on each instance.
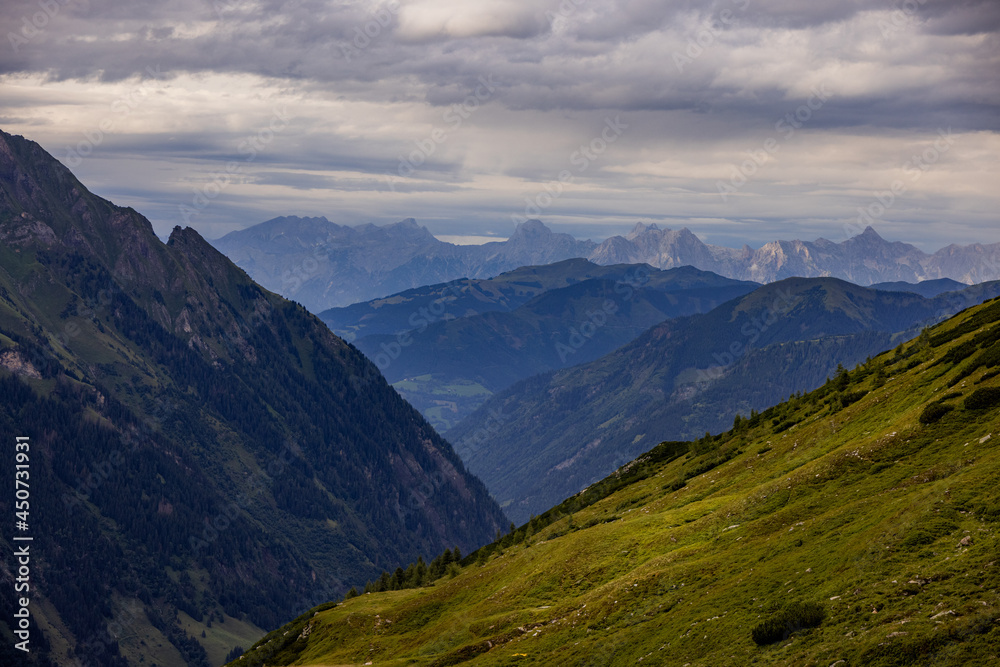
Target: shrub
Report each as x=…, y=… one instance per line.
x=983, y=398
x=934, y=412
x=793, y=617
x=675, y=485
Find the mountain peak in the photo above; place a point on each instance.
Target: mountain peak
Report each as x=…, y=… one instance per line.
x=870, y=234
x=640, y=229
x=531, y=228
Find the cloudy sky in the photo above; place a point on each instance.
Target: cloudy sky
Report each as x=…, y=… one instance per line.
x=744, y=120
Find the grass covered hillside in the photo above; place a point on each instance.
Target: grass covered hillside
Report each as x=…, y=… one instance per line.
x=854, y=525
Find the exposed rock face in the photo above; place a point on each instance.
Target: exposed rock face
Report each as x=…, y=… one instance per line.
x=15, y=362
x=324, y=265
x=864, y=259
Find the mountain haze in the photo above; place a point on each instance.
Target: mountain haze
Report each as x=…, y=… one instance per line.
x=323, y=265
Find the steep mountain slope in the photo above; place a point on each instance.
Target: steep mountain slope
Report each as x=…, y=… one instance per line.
x=547, y=437
x=858, y=535
x=323, y=265
x=201, y=449
x=447, y=366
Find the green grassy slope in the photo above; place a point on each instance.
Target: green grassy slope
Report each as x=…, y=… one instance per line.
x=843, y=498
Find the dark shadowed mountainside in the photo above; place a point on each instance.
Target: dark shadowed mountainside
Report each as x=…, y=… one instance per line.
x=200, y=448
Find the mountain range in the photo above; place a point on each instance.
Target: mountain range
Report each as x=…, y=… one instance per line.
x=206, y=458
x=549, y=436
x=447, y=348
x=324, y=265
x=813, y=533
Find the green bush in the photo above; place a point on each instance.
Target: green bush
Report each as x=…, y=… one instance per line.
x=793, y=617
x=676, y=485
x=934, y=412
x=851, y=397
x=983, y=398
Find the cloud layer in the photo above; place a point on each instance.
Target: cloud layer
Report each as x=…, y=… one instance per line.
x=743, y=119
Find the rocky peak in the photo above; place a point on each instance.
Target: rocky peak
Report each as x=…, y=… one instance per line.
x=529, y=229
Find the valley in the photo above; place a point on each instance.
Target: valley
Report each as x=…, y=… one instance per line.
x=820, y=530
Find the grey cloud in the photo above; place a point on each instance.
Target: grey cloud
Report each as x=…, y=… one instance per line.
x=596, y=58
x=959, y=17
x=304, y=41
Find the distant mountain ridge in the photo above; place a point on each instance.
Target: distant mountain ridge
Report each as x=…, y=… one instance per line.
x=864, y=259
x=446, y=348
x=546, y=437
x=324, y=265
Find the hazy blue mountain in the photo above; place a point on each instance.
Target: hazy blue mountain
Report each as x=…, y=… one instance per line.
x=324, y=265
x=448, y=354
x=549, y=436
x=928, y=288
x=200, y=449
